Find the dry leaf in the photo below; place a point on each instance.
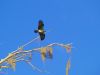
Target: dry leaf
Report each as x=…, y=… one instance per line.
x=12, y=62
x=67, y=67
x=43, y=53
x=49, y=51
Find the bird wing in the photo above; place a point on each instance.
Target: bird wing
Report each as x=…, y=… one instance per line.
x=42, y=36
x=41, y=25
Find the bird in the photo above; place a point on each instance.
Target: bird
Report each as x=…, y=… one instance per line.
x=40, y=30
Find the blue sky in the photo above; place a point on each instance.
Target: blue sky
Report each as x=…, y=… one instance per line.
x=76, y=21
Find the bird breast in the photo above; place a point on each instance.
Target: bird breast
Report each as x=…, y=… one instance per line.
x=40, y=31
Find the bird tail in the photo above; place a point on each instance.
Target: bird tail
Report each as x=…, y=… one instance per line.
x=35, y=31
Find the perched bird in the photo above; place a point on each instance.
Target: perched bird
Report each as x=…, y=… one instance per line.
x=40, y=30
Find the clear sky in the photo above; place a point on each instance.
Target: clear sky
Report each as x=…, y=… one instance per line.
x=76, y=21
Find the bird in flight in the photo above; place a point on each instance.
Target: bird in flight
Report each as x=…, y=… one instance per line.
x=40, y=30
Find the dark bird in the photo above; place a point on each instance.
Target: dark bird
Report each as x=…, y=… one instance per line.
x=40, y=30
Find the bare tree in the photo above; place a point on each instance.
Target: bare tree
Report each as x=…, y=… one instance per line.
x=21, y=54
